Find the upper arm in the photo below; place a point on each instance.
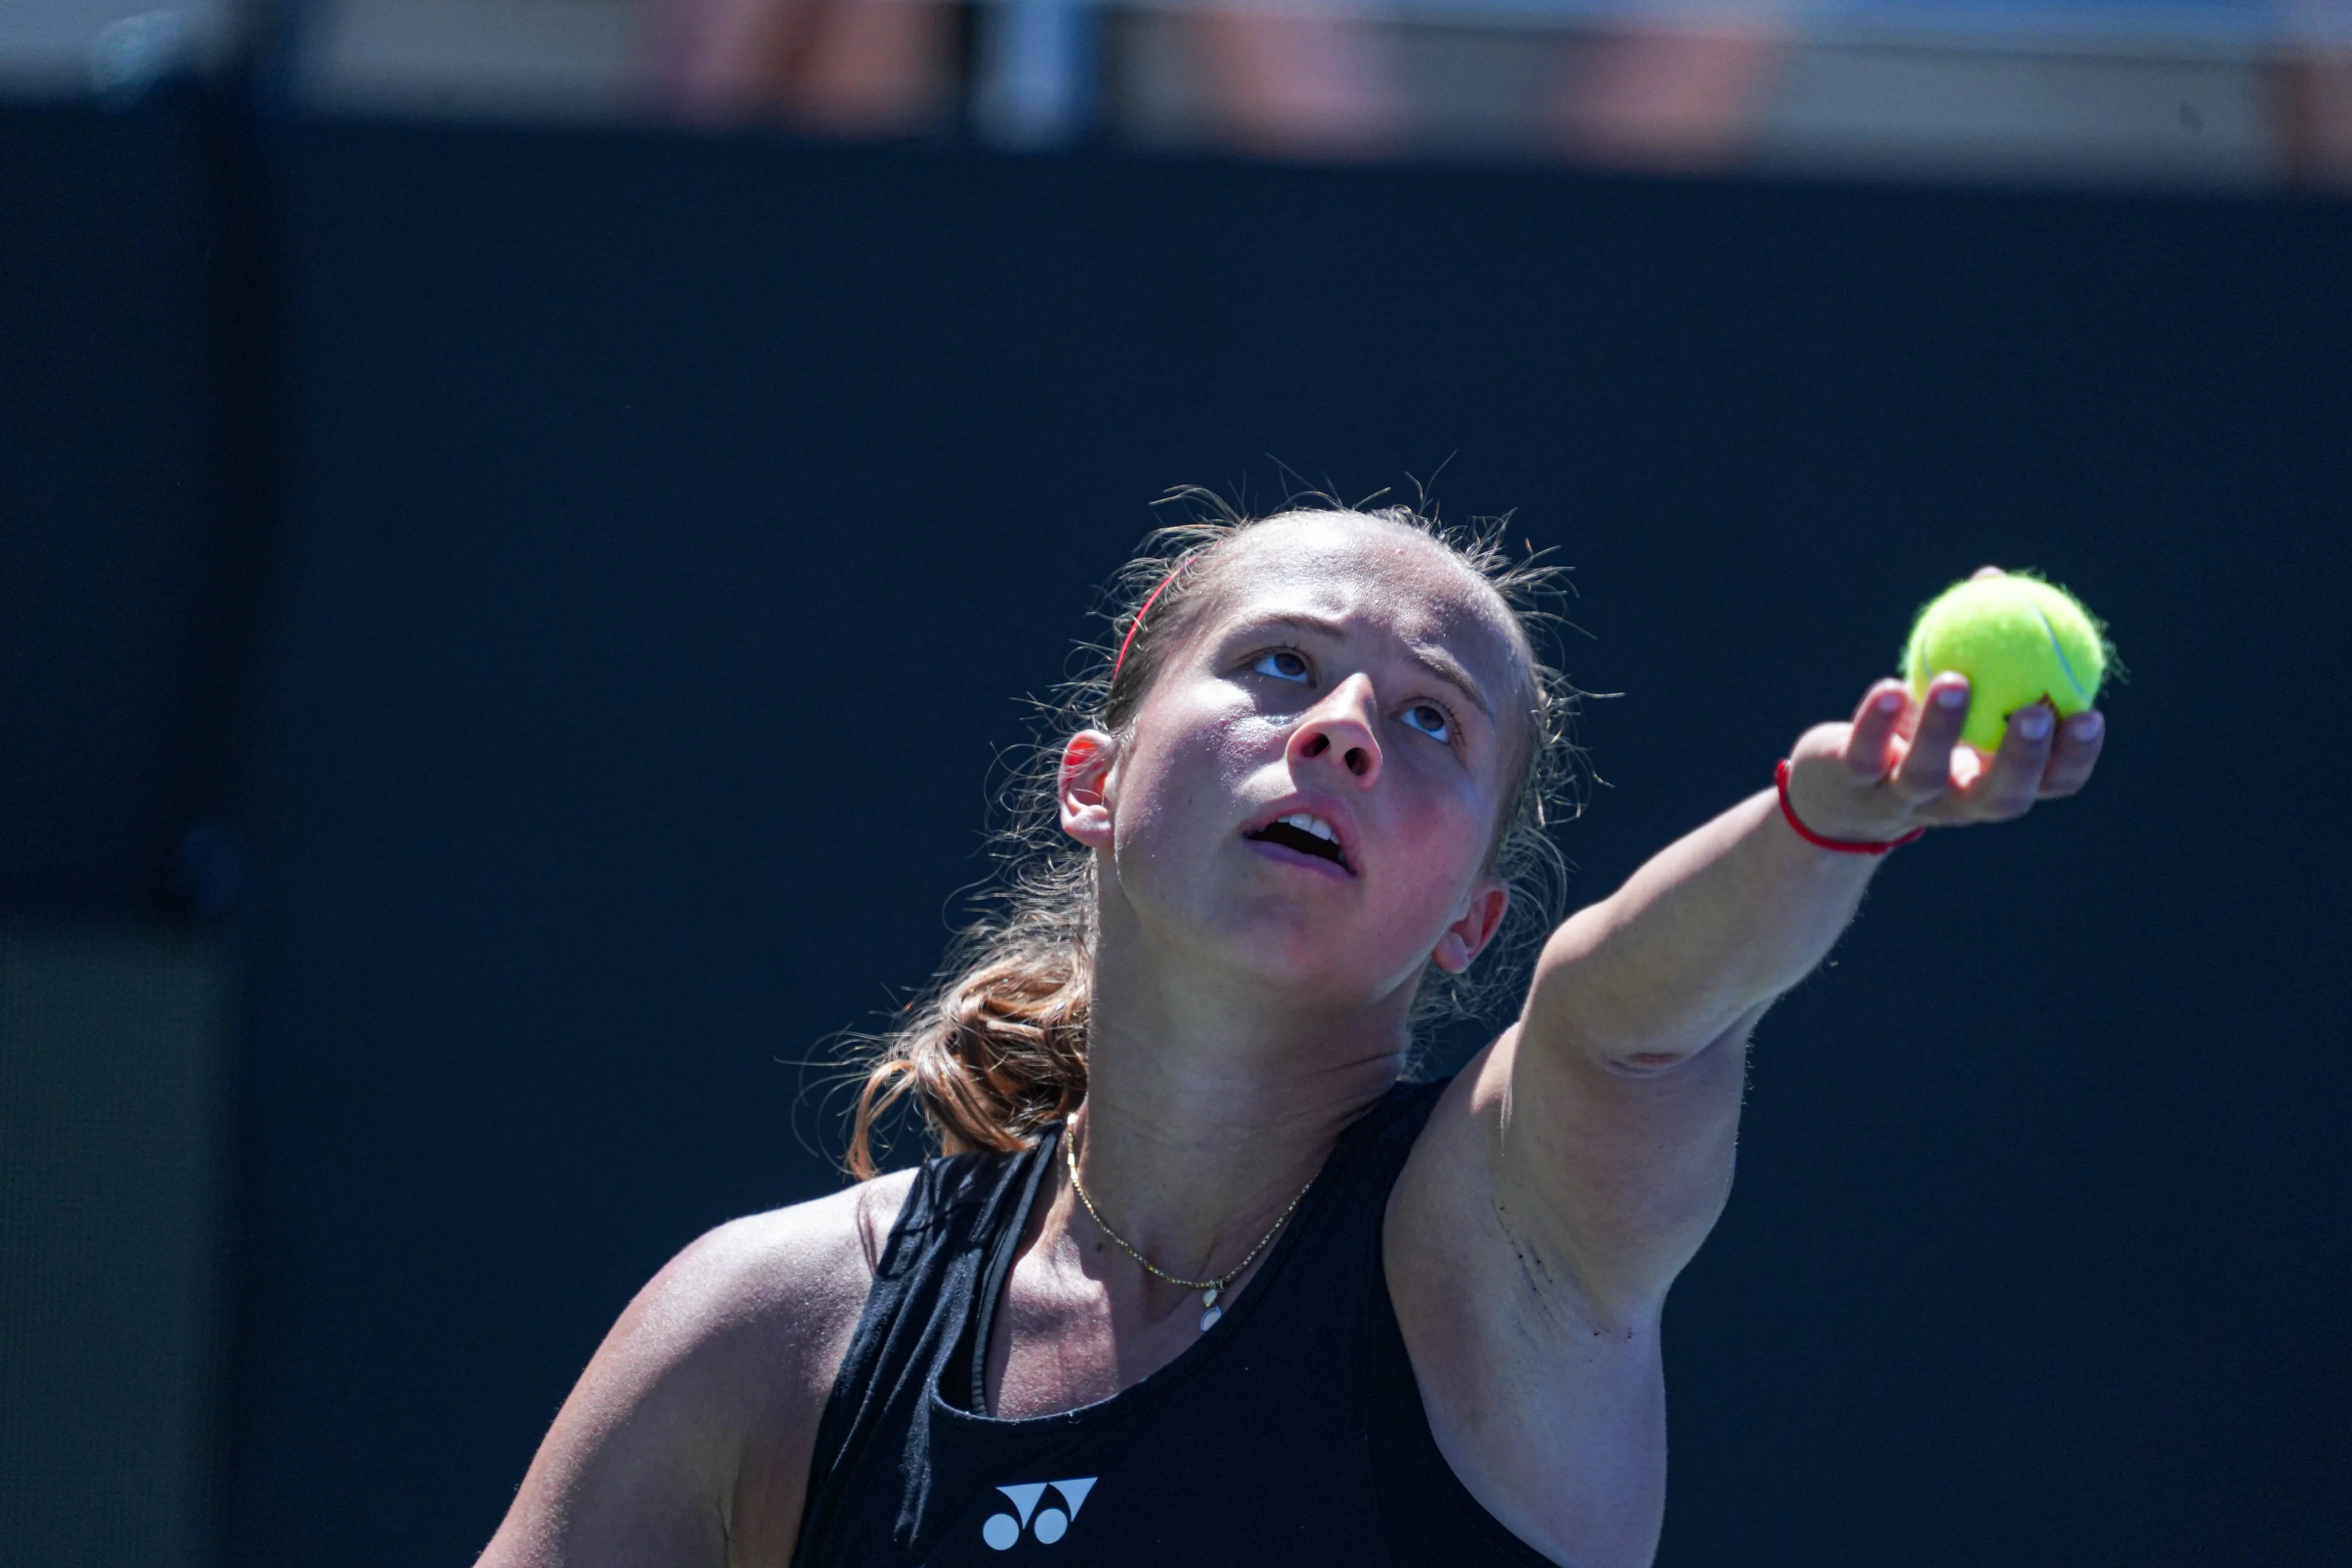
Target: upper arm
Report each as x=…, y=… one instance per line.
x=1529, y=1242
x=687, y=1442
x=1616, y=1097
x=1618, y=1167
x=1590, y=1169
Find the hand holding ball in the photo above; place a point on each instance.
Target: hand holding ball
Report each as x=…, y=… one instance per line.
x=2018, y=640
x=1908, y=761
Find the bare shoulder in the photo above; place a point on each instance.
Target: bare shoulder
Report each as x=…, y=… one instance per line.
x=688, y=1438
x=772, y=1299
x=1549, y=1409
x=778, y=1275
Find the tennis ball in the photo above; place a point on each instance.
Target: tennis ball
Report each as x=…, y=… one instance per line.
x=2018, y=640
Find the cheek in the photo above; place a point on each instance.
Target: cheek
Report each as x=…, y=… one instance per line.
x=1447, y=835
x=1195, y=760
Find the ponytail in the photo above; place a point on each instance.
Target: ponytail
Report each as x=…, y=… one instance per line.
x=997, y=1052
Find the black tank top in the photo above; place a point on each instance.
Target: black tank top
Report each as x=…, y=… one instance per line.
x=1291, y=1432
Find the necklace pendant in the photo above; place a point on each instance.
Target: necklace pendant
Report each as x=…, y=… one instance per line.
x=1208, y=1297
x=1208, y=1318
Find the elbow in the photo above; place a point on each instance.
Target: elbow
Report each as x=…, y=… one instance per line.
x=1656, y=1059
x=1652, y=1065
x=1648, y=1064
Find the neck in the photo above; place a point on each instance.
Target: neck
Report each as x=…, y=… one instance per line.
x=1211, y=1101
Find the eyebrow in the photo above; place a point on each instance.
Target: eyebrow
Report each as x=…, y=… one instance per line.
x=1436, y=659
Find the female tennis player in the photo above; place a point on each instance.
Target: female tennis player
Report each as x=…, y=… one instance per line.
x=1198, y=1277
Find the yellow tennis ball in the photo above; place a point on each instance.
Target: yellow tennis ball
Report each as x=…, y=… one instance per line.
x=2018, y=640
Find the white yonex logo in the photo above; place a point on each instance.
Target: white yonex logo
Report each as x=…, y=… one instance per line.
x=1050, y=1523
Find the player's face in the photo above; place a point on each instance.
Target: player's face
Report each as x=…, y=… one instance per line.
x=1310, y=790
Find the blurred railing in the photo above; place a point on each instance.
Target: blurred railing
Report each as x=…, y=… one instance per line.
x=1040, y=63
x=2227, y=90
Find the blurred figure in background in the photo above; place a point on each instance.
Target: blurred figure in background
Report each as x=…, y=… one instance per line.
x=1303, y=79
x=1684, y=94
x=854, y=68
x=2315, y=93
x=1287, y=78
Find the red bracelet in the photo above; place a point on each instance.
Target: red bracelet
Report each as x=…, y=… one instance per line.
x=1843, y=846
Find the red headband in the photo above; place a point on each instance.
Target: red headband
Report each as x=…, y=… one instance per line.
x=1136, y=624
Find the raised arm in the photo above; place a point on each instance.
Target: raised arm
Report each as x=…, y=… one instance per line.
x=1625, y=1073
x=1579, y=1162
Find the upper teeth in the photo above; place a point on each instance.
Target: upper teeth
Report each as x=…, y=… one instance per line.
x=1315, y=824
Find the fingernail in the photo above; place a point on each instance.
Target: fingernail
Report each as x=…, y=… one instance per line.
x=2087, y=726
x=1889, y=702
x=2033, y=722
x=1952, y=697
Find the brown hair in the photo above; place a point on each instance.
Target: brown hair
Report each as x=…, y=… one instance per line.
x=995, y=1050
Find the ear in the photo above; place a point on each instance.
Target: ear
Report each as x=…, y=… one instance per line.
x=1473, y=928
x=1083, y=787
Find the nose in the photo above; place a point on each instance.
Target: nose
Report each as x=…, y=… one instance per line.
x=1340, y=730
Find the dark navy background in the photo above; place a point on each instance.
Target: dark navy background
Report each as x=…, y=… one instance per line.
x=586, y=576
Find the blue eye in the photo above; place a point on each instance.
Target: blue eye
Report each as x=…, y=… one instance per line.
x=1431, y=721
x=1283, y=664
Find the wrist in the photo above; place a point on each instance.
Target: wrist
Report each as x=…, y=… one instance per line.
x=1832, y=842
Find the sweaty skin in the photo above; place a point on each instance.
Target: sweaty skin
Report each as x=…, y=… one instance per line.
x=1251, y=998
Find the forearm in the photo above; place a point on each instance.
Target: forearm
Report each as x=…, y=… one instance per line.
x=1715, y=925
x=1619, y=1091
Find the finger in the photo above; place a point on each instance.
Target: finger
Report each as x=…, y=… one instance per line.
x=1925, y=771
x=1870, y=742
x=2075, y=753
x=2007, y=787
x=1981, y=573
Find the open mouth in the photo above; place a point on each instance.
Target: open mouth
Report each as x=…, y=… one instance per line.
x=1306, y=833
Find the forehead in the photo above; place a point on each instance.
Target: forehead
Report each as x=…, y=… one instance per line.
x=1370, y=575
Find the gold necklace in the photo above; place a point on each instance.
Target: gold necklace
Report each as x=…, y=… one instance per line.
x=1210, y=1288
